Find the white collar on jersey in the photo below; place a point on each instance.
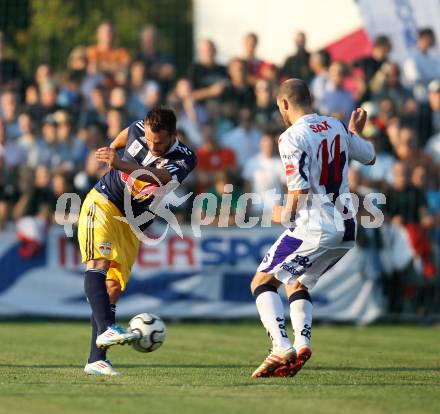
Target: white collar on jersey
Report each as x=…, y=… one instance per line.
x=150, y=158
x=304, y=117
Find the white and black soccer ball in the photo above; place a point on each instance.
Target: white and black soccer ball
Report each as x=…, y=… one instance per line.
x=152, y=331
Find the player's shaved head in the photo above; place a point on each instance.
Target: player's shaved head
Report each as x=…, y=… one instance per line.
x=296, y=93
x=294, y=100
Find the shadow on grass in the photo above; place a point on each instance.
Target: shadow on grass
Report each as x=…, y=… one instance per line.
x=162, y=366
x=383, y=369
x=46, y=366
x=228, y=366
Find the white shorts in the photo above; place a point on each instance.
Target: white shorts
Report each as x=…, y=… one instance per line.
x=290, y=259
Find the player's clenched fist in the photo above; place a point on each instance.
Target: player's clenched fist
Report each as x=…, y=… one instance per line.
x=357, y=121
x=107, y=155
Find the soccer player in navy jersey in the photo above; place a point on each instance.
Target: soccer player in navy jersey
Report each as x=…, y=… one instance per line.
x=108, y=244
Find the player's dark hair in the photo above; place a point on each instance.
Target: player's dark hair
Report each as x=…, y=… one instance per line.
x=296, y=92
x=161, y=119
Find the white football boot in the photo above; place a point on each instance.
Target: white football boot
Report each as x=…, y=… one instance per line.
x=101, y=368
x=115, y=335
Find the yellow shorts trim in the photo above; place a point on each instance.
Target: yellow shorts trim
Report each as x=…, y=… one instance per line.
x=102, y=236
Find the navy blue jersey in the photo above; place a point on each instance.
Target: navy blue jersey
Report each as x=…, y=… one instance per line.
x=179, y=161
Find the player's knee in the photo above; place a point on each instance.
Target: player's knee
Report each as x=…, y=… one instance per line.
x=101, y=264
x=255, y=282
x=253, y=285
x=261, y=279
x=295, y=287
x=298, y=286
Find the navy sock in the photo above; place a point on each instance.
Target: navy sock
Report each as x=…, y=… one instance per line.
x=113, y=309
x=96, y=293
x=97, y=354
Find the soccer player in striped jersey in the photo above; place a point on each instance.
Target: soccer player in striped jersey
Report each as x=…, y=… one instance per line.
x=315, y=151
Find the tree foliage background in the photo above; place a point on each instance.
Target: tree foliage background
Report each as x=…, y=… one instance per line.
x=47, y=30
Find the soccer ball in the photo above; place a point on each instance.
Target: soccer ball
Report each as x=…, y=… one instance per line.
x=152, y=331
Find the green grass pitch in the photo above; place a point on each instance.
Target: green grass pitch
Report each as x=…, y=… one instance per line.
x=205, y=368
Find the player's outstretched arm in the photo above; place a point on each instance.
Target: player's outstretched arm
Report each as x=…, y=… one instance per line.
x=121, y=140
x=365, y=149
x=150, y=174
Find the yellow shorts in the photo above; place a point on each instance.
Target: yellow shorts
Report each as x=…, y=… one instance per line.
x=102, y=236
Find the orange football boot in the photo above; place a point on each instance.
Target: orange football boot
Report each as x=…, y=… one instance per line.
x=275, y=361
x=293, y=367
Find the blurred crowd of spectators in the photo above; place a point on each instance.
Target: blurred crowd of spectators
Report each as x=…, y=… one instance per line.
x=51, y=124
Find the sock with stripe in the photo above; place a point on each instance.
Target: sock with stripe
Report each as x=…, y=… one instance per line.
x=97, y=354
x=96, y=292
x=301, y=309
x=271, y=310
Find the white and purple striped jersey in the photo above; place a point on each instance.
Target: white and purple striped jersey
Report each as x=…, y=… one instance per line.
x=315, y=152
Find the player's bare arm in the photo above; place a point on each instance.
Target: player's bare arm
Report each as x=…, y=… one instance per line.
x=121, y=140
x=315, y=160
x=357, y=123
x=110, y=249
x=286, y=213
x=111, y=158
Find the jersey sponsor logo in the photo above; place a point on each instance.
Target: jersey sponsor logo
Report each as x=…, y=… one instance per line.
x=324, y=126
x=291, y=269
x=303, y=261
x=298, y=261
x=141, y=190
x=105, y=248
x=290, y=169
x=134, y=148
